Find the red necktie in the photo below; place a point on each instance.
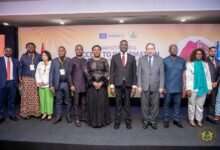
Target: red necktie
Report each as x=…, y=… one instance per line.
x=123, y=59
x=8, y=69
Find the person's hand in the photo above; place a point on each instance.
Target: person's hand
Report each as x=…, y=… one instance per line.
x=161, y=90
x=40, y=84
x=73, y=89
x=100, y=84
x=133, y=91
x=209, y=92
x=112, y=91
x=139, y=90
x=44, y=84
x=52, y=89
x=164, y=91
x=214, y=85
x=189, y=93
x=96, y=85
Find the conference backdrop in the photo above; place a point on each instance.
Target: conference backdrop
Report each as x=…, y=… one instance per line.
x=186, y=36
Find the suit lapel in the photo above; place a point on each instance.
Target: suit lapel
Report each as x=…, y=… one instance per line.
x=4, y=65
x=211, y=62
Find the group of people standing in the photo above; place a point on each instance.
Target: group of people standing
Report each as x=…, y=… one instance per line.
x=82, y=85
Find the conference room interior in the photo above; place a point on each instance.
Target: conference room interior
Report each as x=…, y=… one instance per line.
x=197, y=21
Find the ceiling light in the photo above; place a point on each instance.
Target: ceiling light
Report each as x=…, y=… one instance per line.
x=62, y=22
x=183, y=20
x=121, y=21
x=5, y=24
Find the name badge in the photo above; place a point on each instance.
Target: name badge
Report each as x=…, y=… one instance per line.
x=62, y=72
x=32, y=67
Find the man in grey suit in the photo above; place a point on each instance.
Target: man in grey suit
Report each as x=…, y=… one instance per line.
x=58, y=82
x=150, y=85
x=123, y=82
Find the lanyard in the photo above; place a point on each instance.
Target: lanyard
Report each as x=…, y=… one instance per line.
x=32, y=59
x=62, y=62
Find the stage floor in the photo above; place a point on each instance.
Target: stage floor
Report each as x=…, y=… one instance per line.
x=34, y=130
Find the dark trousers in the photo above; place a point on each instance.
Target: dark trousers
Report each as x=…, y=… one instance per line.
x=63, y=94
x=8, y=93
x=122, y=93
x=176, y=97
x=150, y=106
x=211, y=99
x=79, y=106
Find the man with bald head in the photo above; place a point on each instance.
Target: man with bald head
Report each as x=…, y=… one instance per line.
x=174, y=68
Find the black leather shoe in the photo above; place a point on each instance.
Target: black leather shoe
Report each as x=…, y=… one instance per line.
x=13, y=118
x=145, y=126
x=117, y=125
x=178, y=124
x=2, y=120
x=68, y=118
x=56, y=120
x=128, y=124
x=166, y=124
x=154, y=126
x=209, y=119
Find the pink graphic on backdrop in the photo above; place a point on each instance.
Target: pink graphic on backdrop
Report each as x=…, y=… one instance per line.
x=190, y=46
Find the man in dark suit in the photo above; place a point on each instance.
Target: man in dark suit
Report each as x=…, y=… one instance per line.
x=8, y=83
x=214, y=67
x=58, y=82
x=123, y=82
x=77, y=81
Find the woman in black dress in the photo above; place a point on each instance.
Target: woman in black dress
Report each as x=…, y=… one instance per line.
x=97, y=72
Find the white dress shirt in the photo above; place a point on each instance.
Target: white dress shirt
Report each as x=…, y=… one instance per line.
x=42, y=73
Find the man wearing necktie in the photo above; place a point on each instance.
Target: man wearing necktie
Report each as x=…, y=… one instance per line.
x=8, y=84
x=214, y=67
x=150, y=84
x=123, y=82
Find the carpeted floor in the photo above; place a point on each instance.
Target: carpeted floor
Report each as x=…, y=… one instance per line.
x=34, y=130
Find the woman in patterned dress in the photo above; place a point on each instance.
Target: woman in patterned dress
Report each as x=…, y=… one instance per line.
x=27, y=69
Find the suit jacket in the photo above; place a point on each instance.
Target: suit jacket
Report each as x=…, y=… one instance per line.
x=77, y=75
x=118, y=72
x=214, y=71
x=54, y=77
x=190, y=76
x=3, y=74
x=154, y=77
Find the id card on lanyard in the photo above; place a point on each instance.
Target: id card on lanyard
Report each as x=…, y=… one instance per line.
x=32, y=67
x=62, y=70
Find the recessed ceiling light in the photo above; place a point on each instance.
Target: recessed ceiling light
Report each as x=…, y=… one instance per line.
x=121, y=21
x=62, y=22
x=183, y=20
x=5, y=24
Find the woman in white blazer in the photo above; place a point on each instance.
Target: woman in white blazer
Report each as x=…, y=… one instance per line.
x=198, y=85
x=42, y=79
